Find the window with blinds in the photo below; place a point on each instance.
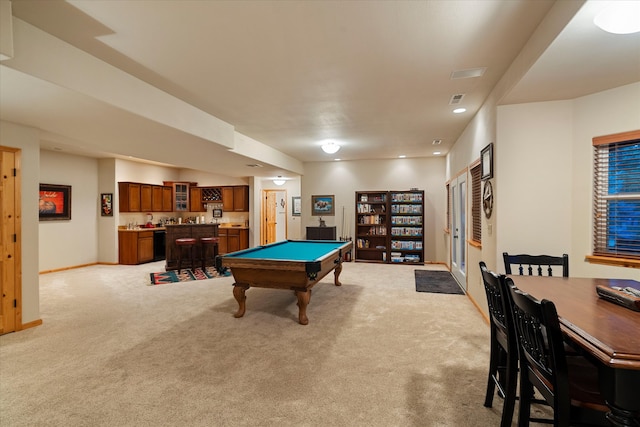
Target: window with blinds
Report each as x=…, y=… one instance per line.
x=476, y=204
x=616, y=204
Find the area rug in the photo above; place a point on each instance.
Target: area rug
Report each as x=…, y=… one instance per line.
x=439, y=282
x=186, y=275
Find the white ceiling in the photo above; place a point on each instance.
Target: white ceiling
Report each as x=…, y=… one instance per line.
x=374, y=75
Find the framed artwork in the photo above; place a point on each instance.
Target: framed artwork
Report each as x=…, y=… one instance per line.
x=296, y=206
x=106, y=204
x=322, y=205
x=54, y=202
x=486, y=162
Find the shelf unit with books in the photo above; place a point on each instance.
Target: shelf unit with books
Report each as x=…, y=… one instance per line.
x=372, y=224
x=407, y=227
x=390, y=226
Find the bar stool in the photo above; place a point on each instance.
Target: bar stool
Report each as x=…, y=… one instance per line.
x=206, y=242
x=185, y=242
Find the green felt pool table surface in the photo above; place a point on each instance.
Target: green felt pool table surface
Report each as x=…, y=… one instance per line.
x=291, y=250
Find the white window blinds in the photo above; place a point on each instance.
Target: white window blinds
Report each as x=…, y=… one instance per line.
x=617, y=195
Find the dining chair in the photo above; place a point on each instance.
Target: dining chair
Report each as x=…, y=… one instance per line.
x=569, y=384
x=537, y=262
x=503, y=359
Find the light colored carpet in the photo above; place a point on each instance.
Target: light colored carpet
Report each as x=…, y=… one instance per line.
x=113, y=351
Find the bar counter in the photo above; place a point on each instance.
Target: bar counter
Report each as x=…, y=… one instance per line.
x=196, y=231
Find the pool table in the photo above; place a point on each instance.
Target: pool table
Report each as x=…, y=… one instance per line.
x=290, y=264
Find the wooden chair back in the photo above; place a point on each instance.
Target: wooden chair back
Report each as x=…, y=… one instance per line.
x=537, y=263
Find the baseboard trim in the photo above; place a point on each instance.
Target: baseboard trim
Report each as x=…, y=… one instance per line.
x=32, y=324
x=68, y=268
x=484, y=316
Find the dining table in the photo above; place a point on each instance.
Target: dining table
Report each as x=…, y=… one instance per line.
x=606, y=332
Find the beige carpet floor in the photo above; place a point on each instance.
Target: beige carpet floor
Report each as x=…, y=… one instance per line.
x=113, y=351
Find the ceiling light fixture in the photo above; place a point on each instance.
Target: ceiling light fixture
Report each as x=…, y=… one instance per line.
x=435, y=153
x=401, y=156
x=619, y=17
x=459, y=110
x=330, y=147
x=279, y=180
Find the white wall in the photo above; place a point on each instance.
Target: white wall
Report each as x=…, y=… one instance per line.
x=604, y=113
x=73, y=242
x=28, y=141
x=534, y=180
x=344, y=178
x=545, y=174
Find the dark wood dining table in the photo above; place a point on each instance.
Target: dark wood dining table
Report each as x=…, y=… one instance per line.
x=606, y=332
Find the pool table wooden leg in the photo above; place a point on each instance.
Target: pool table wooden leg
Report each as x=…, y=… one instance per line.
x=303, y=301
x=336, y=274
x=238, y=293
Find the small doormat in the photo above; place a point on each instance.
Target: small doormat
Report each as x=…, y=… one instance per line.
x=439, y=282
x=186, y=275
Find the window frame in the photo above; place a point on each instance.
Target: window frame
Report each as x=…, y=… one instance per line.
x=599, y=254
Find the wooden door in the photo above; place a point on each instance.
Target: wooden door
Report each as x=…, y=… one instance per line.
x=10, y=241
x=269, y=202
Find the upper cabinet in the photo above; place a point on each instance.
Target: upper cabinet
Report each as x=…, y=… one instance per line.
x=176, y=196
x=129, y=196
x=146, y=204
x=161, y=198
x=235, y=198
x=195, y=200
x=180, y=193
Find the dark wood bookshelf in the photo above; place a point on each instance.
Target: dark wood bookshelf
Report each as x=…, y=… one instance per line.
x=390, y=227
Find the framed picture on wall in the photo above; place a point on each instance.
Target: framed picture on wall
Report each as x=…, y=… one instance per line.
x=486, y=162
x=322, y=205
x=106, y=204
x=296, y=206
x=54, y=202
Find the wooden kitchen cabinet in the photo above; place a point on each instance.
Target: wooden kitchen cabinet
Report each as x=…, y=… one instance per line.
x=145, y=198
x=235, y=198
x=195, y=200
x=156, y=198
x=161, y=200
x=180, y=195
x=167, y=199
x=129, y=196
x=135, y=247
x=232, y=240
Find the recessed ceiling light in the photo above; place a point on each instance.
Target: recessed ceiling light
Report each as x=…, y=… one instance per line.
x=619, y=17
x=435, y=153
x=402, y=156
x=459, y=110
x=337, y=160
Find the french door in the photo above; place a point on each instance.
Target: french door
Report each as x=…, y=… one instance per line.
x=458, y=188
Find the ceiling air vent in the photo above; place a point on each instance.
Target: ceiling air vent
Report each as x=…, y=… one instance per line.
x=437, y=142
x=455, y=99
x=255, y=165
